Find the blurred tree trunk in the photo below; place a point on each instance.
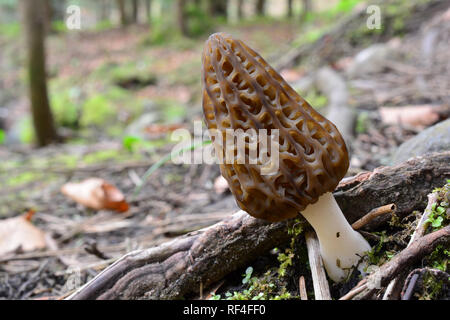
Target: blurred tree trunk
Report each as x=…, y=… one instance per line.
x=218, y=8
x=260, y=7
x=134, y=11
x=181, y=17
x=122, y=13
x=104, y=10
x=289, y=9
x=307, y=7
x=34, y=17
x=240, y=13
x=148, y=10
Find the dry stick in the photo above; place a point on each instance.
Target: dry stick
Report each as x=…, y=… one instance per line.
x=319, y=277
x=418, y=233
x=389, y=208
x=302, y=288
x=358, y=289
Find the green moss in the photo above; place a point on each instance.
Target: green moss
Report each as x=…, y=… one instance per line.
x=257, y=288
x=22, y=178
x=316, y=100
x=64, y=106
x=96, y=111
x=102, y=156
x=362, y=122
x=26, y=131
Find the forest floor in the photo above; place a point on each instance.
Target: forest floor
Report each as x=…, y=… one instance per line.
x=103, y=82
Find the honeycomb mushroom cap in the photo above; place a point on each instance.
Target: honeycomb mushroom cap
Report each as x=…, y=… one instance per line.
x=242, y=91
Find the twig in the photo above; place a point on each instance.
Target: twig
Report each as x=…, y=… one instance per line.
x=389, y=208
x=418, y=233
x=320, y=282
x=91, y=247
x=411, y=287
x=361, y=286
x=302, y=288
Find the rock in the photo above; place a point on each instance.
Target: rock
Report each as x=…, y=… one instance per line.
x=433, y=139
x=371, y=60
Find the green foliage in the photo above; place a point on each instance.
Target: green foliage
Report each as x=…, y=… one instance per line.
x=64, y=106
x=26, y=130
x=439, y=217
x=316, y=100
x=285, y=260
x=376, y=255
x=362, y=122
x=439, y=258
x=59, y=26
x=432, y=287
x=22, y=178
x=198, y=22
x=2, y=136
x=103, y=25
x=263, y=288
x=130, y=142
x=10, y=30
x=161, y=31
x=96, y=111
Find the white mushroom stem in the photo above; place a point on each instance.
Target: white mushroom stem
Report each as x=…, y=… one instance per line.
x=341, y=247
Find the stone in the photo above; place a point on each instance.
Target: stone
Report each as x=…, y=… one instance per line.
x=432, y=139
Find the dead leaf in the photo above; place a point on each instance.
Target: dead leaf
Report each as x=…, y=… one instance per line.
x=96, y=193
x=156, y=129
x=20, y=234
x=417, y=116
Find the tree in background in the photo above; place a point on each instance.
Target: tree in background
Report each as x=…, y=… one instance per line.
x=134, y=11
x=34, y=17
x=148, y=10
x=122, y=13
x=260, y=7
x=240, y=12
x=289, y=8
x=218, y=8
x=306, y=8
x=181, y=17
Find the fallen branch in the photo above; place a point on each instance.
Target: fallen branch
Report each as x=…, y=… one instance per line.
x=175, y=269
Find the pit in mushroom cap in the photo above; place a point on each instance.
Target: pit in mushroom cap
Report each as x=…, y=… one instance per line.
x=241, y=91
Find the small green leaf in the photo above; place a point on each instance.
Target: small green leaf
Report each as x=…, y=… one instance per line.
x=437, y=222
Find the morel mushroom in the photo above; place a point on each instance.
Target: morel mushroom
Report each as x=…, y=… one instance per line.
x=241, y=91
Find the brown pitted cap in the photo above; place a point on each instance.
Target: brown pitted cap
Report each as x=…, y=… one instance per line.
x=241, y=91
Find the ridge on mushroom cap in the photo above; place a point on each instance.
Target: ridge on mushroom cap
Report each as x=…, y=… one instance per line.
x=242, y=91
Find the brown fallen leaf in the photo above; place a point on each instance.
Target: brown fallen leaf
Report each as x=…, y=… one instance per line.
x=96, y=193
x=19, y=234
x=420, y=116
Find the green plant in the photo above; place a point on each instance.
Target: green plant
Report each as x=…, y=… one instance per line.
x=438, y=216
x=2, y=136
x=362, y=122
